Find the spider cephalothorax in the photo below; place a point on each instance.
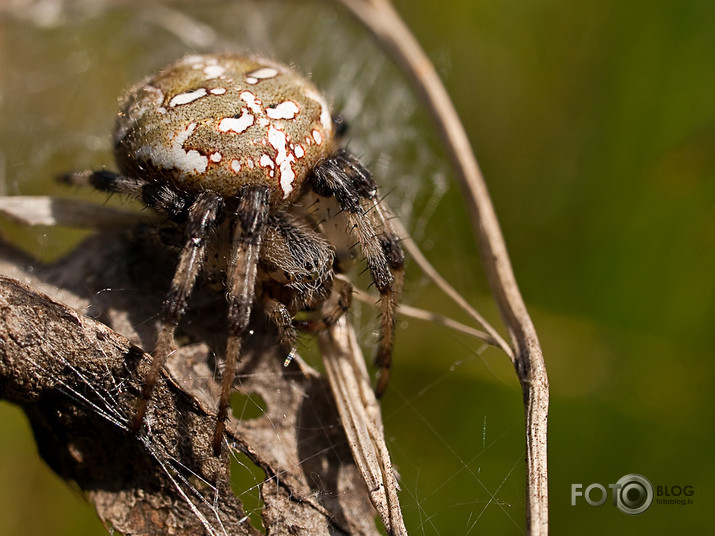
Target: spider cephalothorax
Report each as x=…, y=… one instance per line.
x=247, y=146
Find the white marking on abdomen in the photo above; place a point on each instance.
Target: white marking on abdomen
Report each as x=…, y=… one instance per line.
x=284, y=159
x=236, y=124
x=214, y=71
x=261, y=74
x=174, y=155
x=186, y=98
x=285, y=110
x=251, y=101
x=325, y=118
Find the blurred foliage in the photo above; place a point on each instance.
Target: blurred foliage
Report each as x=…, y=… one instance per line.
x=594, y=124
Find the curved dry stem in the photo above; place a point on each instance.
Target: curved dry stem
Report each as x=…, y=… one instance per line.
x=383, y=21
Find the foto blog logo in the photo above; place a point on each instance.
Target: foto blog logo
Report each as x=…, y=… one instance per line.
x=632, y=494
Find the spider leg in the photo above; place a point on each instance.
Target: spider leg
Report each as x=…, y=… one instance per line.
x=160, y=197
x=330, y=314
x=390, y=243
x=343, y=177
x=104, y=180
x=251, y=215
x=201, y=220
x=280, y=316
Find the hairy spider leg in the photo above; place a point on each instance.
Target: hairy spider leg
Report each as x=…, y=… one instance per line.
x=376, y=212
x=251, y=217
x=158, y=196
x=200, y=216
x=280, y=316
x=200, y=223
x=106, y=181
x=343, y=177
x=329, y=316
x=390, y=242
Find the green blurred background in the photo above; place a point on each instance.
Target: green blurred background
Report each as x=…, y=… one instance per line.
x=594, y=124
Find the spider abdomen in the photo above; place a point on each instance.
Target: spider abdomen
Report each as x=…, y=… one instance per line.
x=222, y=122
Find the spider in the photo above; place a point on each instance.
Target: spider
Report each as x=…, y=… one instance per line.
x=242, y=154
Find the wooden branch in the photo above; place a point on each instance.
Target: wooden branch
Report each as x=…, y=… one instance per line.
x=393, y=35
x=78, y=381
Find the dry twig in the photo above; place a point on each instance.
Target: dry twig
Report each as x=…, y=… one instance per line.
x=78, y=381
x=382, y=20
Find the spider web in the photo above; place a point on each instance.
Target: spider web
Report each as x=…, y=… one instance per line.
x=452, y=413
